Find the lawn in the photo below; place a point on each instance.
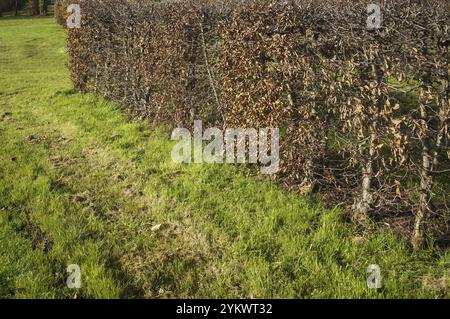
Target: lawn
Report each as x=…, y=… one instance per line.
x=83, y=183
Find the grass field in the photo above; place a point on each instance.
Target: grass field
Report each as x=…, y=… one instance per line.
x=82, y=183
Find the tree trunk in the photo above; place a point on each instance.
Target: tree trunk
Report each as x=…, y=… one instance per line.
x=365, y=203
x=16, y=7
x=208, y=70
x=36, y=7
x=443, y=115
x=44, y=7
x=426, y=178
x=309, y=169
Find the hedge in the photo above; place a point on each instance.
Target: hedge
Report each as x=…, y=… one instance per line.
x=363, y=113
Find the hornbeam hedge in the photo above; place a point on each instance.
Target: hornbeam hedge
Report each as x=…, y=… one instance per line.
x=364, y=114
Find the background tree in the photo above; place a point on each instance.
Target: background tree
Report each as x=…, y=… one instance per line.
x=44, y=7
x=11, y=5
x=35, y=7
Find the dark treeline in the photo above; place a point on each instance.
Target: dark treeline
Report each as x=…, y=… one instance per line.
x=32, y=7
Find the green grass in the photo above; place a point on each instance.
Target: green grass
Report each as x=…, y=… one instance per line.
x=82, y=183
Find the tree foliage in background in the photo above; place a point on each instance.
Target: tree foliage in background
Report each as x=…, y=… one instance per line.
x=12, y=5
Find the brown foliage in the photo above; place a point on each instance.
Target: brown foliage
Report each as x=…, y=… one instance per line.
x=60, y=8
x=309, y=67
